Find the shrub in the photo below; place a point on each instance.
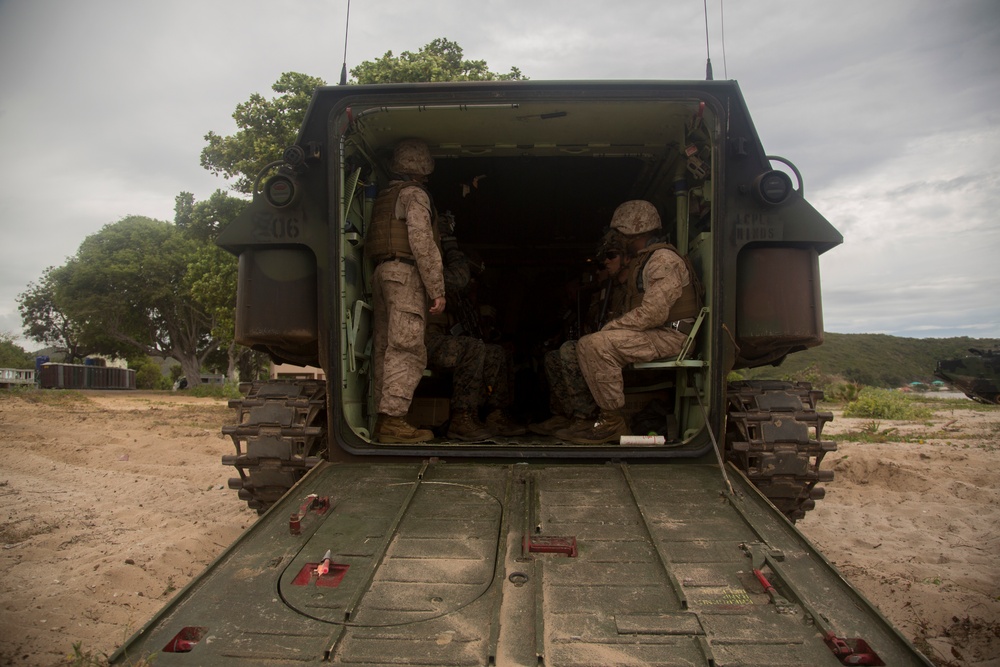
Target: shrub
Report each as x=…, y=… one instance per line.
x=873, y=403
x=149, y=376
x=844, y=392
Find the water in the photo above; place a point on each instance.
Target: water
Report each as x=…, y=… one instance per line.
x=941, y=394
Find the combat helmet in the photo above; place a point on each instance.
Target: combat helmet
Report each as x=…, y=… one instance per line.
x=412, y=157
x=636, y=217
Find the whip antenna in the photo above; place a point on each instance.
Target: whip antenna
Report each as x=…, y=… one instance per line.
x=708, y=52
x=722, y=22
x=347, y=27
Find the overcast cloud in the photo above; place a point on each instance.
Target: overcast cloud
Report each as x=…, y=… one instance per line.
x=891, y=110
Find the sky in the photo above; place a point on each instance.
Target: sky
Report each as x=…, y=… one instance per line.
x=890, y=110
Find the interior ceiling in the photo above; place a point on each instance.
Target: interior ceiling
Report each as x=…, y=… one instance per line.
x=535, y=128
x=510, y=204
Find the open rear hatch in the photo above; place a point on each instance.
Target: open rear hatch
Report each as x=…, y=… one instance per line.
x=456, y=564
x=532, y=176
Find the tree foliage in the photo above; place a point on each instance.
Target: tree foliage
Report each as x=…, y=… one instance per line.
x=439, y=60
x=212, y=272
x=13, y=355
x=266, y=128
x=45, y=320
x=202, y=221
x=125, y=289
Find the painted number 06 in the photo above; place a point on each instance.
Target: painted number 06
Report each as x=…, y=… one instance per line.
x=285, y=228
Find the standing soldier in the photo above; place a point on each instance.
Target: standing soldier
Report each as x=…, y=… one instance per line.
x=404, y=244
x=662, y=301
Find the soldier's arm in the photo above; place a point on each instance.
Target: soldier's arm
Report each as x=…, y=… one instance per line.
x=417, y=205
x=664, y=277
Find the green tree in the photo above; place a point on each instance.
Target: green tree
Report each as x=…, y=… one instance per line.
x=211, y=281
x=212, y=272
x=13, y=355
x=266, y=128
x=202, y=221
x=46, y=320
x=125, y=288
x=439, y=60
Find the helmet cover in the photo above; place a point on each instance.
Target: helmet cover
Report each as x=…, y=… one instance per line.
x=636, y=217
x=412, y=157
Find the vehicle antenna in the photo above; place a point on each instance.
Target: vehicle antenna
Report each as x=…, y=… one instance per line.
x=347, y=26
x=708, y=52
x=722, y=23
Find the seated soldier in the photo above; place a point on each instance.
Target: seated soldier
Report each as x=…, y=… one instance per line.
x=661, y=300
x=569, y=399
x=480, y=369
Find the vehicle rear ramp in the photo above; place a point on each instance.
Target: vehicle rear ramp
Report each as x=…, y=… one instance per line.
x=441, y=563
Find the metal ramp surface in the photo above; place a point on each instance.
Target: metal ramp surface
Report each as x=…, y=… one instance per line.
x=481, y=564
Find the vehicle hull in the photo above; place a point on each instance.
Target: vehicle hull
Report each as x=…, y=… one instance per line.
x=977, y=376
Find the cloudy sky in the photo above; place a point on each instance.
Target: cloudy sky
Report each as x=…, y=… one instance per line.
x=890, y=109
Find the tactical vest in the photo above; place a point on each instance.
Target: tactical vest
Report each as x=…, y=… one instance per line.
x=388, y=237
x=687, y=305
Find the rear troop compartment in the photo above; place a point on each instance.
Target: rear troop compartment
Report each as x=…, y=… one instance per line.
x=532, y=187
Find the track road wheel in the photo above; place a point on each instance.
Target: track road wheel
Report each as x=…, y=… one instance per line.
x=280, y=433
x=773, y=435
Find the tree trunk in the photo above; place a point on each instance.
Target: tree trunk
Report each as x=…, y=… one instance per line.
x=233, y=353
x=190, y=368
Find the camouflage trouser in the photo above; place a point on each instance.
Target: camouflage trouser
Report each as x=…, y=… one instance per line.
x=466, y=356
x=399, y=354
x=496, y=375
x=603, y=354
x=568, y=392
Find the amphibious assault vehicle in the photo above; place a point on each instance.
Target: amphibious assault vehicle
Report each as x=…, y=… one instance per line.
x=527, y=550
x=976, y=375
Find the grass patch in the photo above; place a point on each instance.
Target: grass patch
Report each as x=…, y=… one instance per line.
x=938, y=403
x=873, y=403
x=55, y=397
x=81, y=658
x=227, y=390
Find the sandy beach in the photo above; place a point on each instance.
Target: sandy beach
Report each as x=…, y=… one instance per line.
x=111, y=502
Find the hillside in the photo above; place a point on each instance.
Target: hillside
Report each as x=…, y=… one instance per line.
x=873, y=359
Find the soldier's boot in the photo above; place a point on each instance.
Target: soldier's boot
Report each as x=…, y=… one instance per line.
x=577, y=424
x=398, y=430
x=500, y=424
x=608, y=428
x=465, y=427
x=550, y=425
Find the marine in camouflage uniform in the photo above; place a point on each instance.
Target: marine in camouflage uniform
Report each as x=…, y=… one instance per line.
x=403, y=243
x=480, y=370
x=661, y=299
x=465, y=355
x=497, y=378
x=569, y=397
